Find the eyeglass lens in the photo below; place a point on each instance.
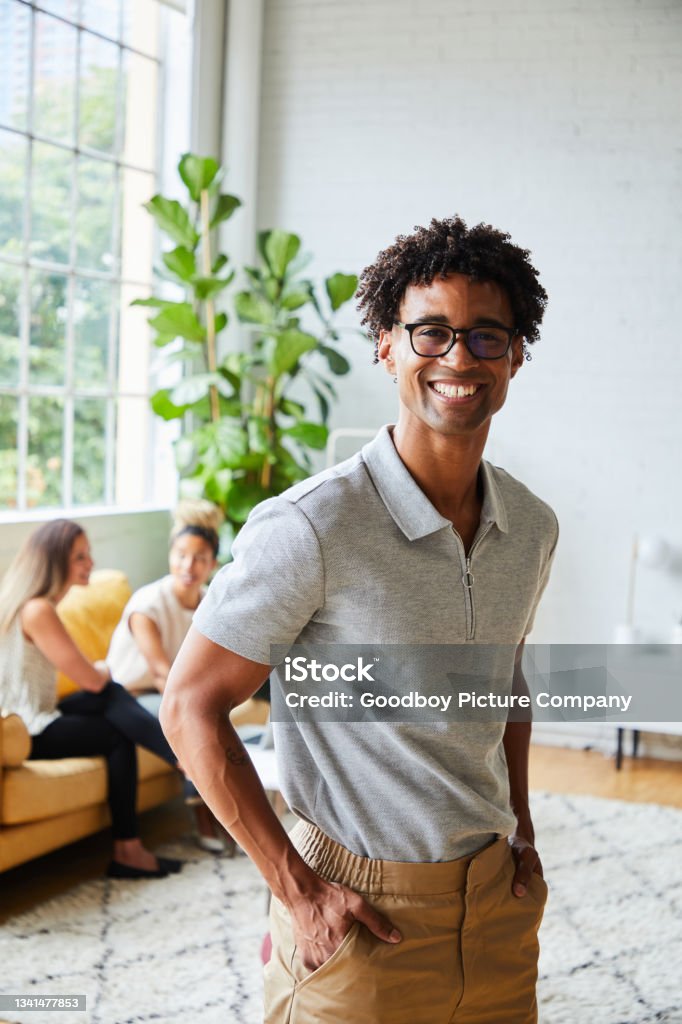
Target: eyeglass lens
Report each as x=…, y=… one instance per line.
x=484, y=342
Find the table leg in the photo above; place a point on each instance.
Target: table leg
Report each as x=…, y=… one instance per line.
x=619, y=750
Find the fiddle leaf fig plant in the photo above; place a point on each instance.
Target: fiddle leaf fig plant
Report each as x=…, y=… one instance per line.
x=248, y=427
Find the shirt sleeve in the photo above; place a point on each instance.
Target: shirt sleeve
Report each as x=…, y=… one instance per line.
x=543, y=580
x=270, y=590
x=146, y=600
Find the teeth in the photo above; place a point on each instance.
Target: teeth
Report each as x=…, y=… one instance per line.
x=455, y=391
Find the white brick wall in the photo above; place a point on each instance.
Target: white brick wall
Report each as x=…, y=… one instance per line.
x=559, y=122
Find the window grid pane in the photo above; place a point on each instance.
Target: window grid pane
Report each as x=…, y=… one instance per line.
x=9, y=457
x=45, y=461
x=81, y=101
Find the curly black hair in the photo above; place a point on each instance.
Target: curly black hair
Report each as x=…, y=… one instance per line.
x=448, y=246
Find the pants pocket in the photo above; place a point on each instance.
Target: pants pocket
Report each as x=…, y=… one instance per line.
x=537, y=888
x=304, y=977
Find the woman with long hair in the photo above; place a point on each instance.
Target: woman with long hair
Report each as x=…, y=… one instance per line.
x=102, y=718
x=156, y=620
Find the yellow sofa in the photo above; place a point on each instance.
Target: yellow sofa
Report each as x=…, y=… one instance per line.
x=47, y=804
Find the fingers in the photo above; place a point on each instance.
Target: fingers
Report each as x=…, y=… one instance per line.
x=527, y=863
x=376, y=922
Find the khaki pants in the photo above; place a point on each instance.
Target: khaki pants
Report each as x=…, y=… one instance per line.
x=468, y=955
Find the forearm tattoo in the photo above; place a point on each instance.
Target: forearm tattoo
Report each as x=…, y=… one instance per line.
x=236, y=755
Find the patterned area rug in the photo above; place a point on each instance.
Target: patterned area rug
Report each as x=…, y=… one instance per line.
x=186, y=949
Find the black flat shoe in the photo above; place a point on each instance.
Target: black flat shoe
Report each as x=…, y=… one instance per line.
x=118, y=870
x=170, y=865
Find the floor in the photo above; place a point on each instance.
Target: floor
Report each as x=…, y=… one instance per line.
x=551, y=768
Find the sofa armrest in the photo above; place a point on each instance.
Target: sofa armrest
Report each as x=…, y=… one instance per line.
x=251, y=712
x=15, y=741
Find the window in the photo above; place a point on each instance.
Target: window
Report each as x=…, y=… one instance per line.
x=80, y=152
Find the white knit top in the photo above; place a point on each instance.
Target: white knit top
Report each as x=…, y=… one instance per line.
x=27, y=681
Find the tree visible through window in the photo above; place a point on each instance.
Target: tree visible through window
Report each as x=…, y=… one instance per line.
x=79, y=154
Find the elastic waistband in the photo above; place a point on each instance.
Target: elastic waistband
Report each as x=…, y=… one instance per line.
x=335, y=863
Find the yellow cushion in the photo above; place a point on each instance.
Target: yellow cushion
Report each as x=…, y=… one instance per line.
x=91, y=615
x=15, y=742
x=48, y=789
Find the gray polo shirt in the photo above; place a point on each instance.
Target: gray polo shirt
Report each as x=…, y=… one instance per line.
x=358, y=555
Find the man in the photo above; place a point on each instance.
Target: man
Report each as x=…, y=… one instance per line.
x=410, y=891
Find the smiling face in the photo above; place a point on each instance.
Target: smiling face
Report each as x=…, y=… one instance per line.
x=80, y=562
x=191, y=562
x=458, y=393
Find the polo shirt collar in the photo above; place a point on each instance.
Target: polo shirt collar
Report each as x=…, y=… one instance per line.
x=405, y=500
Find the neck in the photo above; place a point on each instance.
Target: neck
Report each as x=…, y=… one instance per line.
x=444, y=466
x=56, y=598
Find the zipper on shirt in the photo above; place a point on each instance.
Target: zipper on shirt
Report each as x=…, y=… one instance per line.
x=468, y=580
x=468, y=584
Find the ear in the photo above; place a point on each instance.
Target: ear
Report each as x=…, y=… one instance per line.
x=517, y=354
x=385, y=351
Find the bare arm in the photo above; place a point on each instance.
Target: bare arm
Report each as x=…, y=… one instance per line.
x=516, y=742
x=147, y=636
x=205, y=682
x=45, y=629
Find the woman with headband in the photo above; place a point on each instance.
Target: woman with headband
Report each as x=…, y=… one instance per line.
x=156, y=620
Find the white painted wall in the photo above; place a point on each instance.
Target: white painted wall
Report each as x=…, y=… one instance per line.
x=135, y=542
x=559, y=123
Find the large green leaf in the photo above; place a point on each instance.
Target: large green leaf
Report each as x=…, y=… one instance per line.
x=314, y=435
x=252, y=309
x=192, y=389
x=259, y=437
x=179, y=320
x=185, y=454
x=291, y=408
x=288, y=348
x=279, y=249
x=242, y=497
x=232, y=441
x=272, y=287
x=254, y=275
x=153, y=302
x=323, y=403
x=181, y=262
x=217, y=485
x=287, y=466
x=197, y=173
x=162, y=405
x=338, y=364
x=204, y=287
x=340, y=288
x=173, y=219
x=298, y=296
x=224, y=208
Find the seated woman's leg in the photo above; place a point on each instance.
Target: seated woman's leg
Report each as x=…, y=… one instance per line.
x=121, y=709
x=75, y=735
x=86, y=736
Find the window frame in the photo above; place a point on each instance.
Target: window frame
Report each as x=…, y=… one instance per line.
x=27, y=264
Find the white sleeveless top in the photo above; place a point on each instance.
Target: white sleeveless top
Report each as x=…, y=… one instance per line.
x=27, y=681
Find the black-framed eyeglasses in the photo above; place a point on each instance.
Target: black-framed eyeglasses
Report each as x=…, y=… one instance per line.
x=431, y=340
